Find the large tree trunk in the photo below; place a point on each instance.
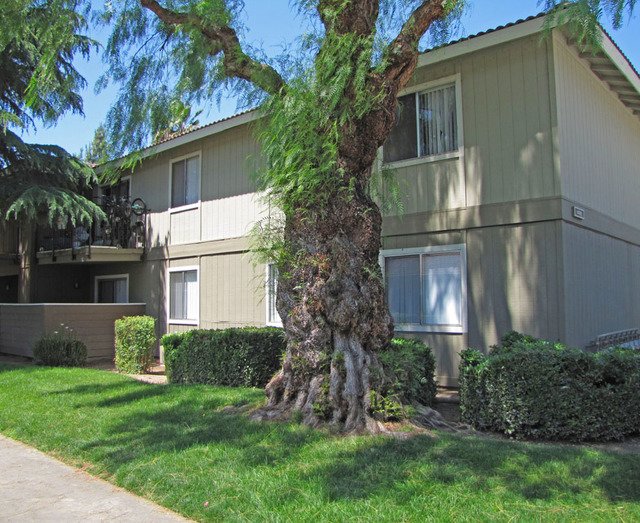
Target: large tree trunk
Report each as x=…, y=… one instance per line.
x=332, y=302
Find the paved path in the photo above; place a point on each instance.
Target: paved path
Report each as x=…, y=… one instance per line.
x=35, y=487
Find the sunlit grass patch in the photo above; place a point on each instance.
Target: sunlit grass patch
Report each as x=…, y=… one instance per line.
x=182, y=447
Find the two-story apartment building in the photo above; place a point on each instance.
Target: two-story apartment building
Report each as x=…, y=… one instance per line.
x=518, y=159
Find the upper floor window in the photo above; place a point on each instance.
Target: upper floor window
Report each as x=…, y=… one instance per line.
x=427, y=125
x=185, y=181
x=426, y=288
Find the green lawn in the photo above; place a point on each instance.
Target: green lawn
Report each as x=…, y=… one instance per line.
x=177, y=446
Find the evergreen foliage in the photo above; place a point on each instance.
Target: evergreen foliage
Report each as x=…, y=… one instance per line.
x=97, y=152
x=38, y=42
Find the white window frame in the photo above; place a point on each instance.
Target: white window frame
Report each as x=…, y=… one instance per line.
x=98, y=279
x=267, y=298
x=444, y=249
x=424, y=87
x=189, y=206
x=177, y=321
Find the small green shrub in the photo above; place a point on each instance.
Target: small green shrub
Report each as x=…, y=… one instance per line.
x=60, y=348
x=543, y=390
x=409, y=369
x=245, y=357
x=135, y=342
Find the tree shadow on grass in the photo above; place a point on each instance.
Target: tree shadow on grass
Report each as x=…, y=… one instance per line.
x=143, y=423
x=532, y=472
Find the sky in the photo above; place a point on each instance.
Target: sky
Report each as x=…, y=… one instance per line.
x=271, y=23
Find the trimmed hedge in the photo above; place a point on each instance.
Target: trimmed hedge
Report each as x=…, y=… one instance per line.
x=135, y=341
x=60, y=348
x=249, y=357
x=409, y=367
x=243, y=357
x=529, y=388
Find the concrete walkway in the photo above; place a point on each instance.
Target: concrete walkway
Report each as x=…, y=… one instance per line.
x=35, y=487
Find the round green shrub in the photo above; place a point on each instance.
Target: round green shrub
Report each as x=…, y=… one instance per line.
x=60, y=348
x=135, y=343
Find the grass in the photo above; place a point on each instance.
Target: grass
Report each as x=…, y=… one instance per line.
x=178, y=446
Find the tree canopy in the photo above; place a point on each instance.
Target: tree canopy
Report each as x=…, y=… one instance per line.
x=38, y=41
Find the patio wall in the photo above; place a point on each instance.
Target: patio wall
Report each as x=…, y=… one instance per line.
x=21, y=325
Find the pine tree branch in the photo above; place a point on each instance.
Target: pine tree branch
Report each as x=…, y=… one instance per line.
x=401, y=55
x=223, y=39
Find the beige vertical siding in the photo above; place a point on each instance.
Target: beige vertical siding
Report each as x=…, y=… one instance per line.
x=507, y=104
x=599, y=140
x=185, y=227
x=173, y=329
x=506, y=101
x=601, y=284
x=431, y=186
x=229, y=205
x=229, y=163
x=514, y=282
x=20, y=328
x=22, y=325
x=232, y=217
x=184, y=262
x=232, y=291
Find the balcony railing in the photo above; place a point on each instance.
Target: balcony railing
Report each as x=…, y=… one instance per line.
x=125, y=228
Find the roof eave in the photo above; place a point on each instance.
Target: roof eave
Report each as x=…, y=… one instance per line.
x=481, y=41
x=203, y=132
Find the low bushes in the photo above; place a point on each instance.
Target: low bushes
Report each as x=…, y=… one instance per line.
x=409, y=369
x=135, y=342
x=60, y=348
x=529, y=388
x=245, y=357
x=249, y=357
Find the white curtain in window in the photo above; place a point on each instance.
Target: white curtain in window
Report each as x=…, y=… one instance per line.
x=120, y=291
x=184, y=300
x=192, y=192
x=442, y=289
x=178, y=180
x=176, y=295
x=272, y=291
x=191, y=298
x=403, y=288
x=438, y=123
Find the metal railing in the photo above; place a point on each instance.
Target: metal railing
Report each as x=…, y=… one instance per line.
x=124, y=228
